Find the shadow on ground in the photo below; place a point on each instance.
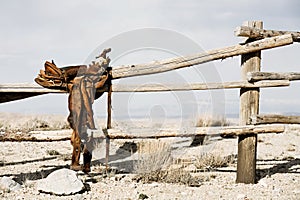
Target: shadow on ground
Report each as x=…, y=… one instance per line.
x=22, y=177
x=285, y=166
x=128, y=148
x=124, y=151
x=26, y=161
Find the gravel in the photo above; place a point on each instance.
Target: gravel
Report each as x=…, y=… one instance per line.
x=278, y=169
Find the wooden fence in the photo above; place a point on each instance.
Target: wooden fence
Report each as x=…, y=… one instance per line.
x=252, y=79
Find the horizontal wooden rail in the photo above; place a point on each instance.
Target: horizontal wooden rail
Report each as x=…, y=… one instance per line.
x=187, y=61
x=228, y=131
x=197, y=86
x=38, y=136
x=259, y=76
x=59, y=135
x=11, y=91
x=16, y=91
x=26, y=87
x=250, y=32
x=274, y=119
x=34, y=88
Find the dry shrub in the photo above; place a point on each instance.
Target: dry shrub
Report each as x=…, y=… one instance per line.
x=177, y=176
x=26, y=123
x=154, y=164
x=47, y=122
x=153, y=156
x=213, y=160
x=53, y=152
x=65, y=157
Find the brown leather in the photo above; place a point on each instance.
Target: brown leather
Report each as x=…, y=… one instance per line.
x=81, y=83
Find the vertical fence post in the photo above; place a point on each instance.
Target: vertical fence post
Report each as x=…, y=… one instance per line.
x=108, y=125
x=249, y=105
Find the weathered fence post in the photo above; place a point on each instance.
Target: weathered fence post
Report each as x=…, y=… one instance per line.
x=108, y=125
x=249, y=105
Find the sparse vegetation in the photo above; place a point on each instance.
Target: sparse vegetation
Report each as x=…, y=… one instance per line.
x=213, y=160
x=66, y=157
x=153, y=156
x=154, y=165
x=53, y=152
x=12, y=123
x=178, y=166
x=177, y=176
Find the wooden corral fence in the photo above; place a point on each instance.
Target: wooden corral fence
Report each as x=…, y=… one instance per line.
x=252, y=79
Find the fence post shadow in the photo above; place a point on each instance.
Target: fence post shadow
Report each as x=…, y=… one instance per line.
x=277, y=168
x=124, y=151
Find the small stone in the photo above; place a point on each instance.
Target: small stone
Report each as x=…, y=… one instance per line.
x=154, y=184
x=296, y=191
x=119, y=177
x=8, y=184
x=183, y=193
x=127, y=179
x=61, y=182
x=143, y=196
x=263, y=183
x=19, y=198
x=241, y=197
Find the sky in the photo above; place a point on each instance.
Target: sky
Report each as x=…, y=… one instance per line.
x=73, y=32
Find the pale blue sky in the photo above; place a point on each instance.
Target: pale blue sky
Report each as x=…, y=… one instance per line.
x=34, y=31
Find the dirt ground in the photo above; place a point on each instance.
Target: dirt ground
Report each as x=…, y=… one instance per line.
x=278, y=170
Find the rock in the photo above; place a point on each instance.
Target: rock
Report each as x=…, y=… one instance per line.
x=127, y=179
x=8, y=184
x=242, y=197
x=143, y=196
x=61, y=182
x=263, y=183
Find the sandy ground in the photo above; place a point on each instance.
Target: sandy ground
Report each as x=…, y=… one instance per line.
x=278, y=170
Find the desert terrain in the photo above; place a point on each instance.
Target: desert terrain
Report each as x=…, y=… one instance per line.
x=170, y=168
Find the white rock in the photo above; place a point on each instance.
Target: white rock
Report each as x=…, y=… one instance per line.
x=8, y=184
x=263, y=183
x=241, y=197
x=127, y=179
x=61, y=182
x=297, y=191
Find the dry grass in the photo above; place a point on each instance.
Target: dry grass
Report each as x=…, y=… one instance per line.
x=153, y=156
x=25, y=123
x=177, y=176
x=154, y=164
x=53, y=152
x=213, y=160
